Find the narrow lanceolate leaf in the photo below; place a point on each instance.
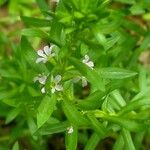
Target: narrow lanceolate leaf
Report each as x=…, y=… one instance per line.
x=45, y=109
x=94, y=101
x=10, y=74
x=36, y=22
x=128, y=140
x=8, y=94
x=43, y=6
x=15, y=146
x=119, y=144
x=31, y=124
x=118, y=98
x=34, y=32
x=90, y=74
x=98, y=127
x=134, y=105
x=126, y=1
x=73, y=115
x=53, y=128
x=71, y=139
x=128, y=124
x=116, y=73
x=12, y=114
x=92, y=142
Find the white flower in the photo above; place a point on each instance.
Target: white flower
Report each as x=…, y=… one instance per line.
x=42, y=80
x=70, y=130
x=45, y=54
x=83, y=80
x=88, y=62
x=55, y=84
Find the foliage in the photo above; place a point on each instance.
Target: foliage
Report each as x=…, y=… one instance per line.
x=87, y=84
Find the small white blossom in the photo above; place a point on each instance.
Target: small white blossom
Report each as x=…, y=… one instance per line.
x=56, y=86
x=88, y=62
x=45, y=54
x=42, y=80
x=70, y=130
x=83, y=80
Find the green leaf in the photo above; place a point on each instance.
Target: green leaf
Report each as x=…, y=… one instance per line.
x=45, y=109
x=92, y=142
x=119, y=144
x=43, y=6
x=36, y=22
x=128, y=140
x=118, y=98
x=12, y=115
x=32, y=125
x=53, y=128
x=116, y=73
x=131, y=25
x=126, y=1
x=93, y=101
x=15, y=146
x=71, y=139
x=73, y=115
x=138, y=140
x=11, y=73
x=8, y=94
x=133, y=105
x=57, y=33
x=34, y=32
x=129, y=124
x=145, y=44
x=137, y=9
x=98, y=127
x=90, y=74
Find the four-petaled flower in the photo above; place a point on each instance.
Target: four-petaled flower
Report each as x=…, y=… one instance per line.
x=88, y=62
x=45, y=54
x=55, y=84
x=70, y=130
x=42, y=80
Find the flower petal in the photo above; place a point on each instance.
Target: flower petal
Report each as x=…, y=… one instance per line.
x=41, y=53
x=58, y=87
x=43, y=90
x=42, y=79
x=90, y=64
x=41, y=59
x=47, y=50
x=57, y=79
